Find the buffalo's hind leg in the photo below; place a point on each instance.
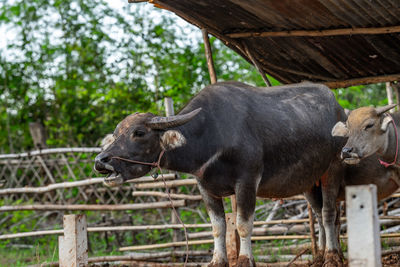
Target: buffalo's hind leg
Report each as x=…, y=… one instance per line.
x=246, y=201
x=314, y=197
x=215, y=209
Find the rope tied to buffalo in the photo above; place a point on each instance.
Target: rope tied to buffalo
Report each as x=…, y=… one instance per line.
x=157, y=165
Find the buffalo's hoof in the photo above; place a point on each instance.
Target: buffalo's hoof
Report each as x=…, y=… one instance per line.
x=318, y=260
x=220, y=264
x=244, y=261
x=333, y=259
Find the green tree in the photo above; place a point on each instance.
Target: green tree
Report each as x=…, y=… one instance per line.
x=79, y=67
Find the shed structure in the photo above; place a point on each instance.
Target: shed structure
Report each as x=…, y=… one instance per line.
x=336, y=42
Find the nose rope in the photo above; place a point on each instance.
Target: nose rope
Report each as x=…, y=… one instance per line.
x=153, y=164
x=157, y=164
x=385, y=164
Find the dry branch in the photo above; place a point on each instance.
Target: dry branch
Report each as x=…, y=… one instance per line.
x=140, y=206
x=52, y=151
x=144, y=179
x=138, y=263
x=108, y=229
x=30, y=234
x=168, y=183
x=260, y=231
x=391, y=251
x=165, y=195
x=44, y=189
x=149, y=255
x=91, y=181
x=209, y=241
x=146, y=227
x=168, y=245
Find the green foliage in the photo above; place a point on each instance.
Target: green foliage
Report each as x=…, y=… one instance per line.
x=362, y=95
x=79, y=67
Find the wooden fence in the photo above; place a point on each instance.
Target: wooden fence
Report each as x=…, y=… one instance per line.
x=63, y=180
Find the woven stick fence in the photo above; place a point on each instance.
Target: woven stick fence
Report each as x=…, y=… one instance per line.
x=40, y=176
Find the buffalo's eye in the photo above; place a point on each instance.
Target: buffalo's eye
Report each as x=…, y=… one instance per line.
x=138, y=133
x=369, y=126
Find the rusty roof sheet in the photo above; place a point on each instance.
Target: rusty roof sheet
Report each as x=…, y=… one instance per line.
x=338, y=42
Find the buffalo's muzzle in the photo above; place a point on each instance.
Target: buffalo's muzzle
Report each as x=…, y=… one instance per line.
x=346, y=152
x=101, y=163
x=349, y=156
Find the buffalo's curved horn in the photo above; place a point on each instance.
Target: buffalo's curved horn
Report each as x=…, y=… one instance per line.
x=159, y=123
x=382, y=110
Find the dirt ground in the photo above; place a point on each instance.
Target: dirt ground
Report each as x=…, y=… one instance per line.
x=391, y=260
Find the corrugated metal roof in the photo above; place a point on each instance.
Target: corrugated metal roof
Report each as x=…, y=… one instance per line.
x=339, y=42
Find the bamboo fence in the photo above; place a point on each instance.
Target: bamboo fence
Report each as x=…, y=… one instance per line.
x=62, y=179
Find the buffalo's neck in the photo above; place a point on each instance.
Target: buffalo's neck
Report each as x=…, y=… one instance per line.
x=390, y=152
x=189, y=157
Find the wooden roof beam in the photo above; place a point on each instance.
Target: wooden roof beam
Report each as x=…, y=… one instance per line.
x=364, y=80
x=317, y=33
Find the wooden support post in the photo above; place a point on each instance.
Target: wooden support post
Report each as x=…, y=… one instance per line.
x=396, y=88
x=311, y=221
x=169, y=111
x=232, y=236
x=73, y=246
x=363, y=226
x=38, y=134
x=210, y=62
x=169, y=106
x=389, y=92
x=232, y=239
x=256, y=64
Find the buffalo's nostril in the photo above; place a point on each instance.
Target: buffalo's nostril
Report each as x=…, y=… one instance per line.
x=103, y=158
x=347, y=149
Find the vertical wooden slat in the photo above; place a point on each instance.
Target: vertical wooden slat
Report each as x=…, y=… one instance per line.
x=210, y=62
x=311, y=222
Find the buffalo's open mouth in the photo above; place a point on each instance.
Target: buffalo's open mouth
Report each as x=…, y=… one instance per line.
x=352, y=159
x=113, y=179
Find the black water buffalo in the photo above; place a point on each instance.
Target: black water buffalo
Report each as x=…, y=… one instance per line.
x=242, y=140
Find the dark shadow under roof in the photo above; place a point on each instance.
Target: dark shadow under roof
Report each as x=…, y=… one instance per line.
x=337, y=42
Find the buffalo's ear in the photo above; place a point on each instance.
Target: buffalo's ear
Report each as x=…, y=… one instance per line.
x=347, y=111
x=385, y=123
x=172, y=139
x=340, y=129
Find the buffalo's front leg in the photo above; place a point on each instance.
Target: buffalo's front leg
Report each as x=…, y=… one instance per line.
x=215, y=209
x=314, y=197
x=246, y=200
x=330, y=187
